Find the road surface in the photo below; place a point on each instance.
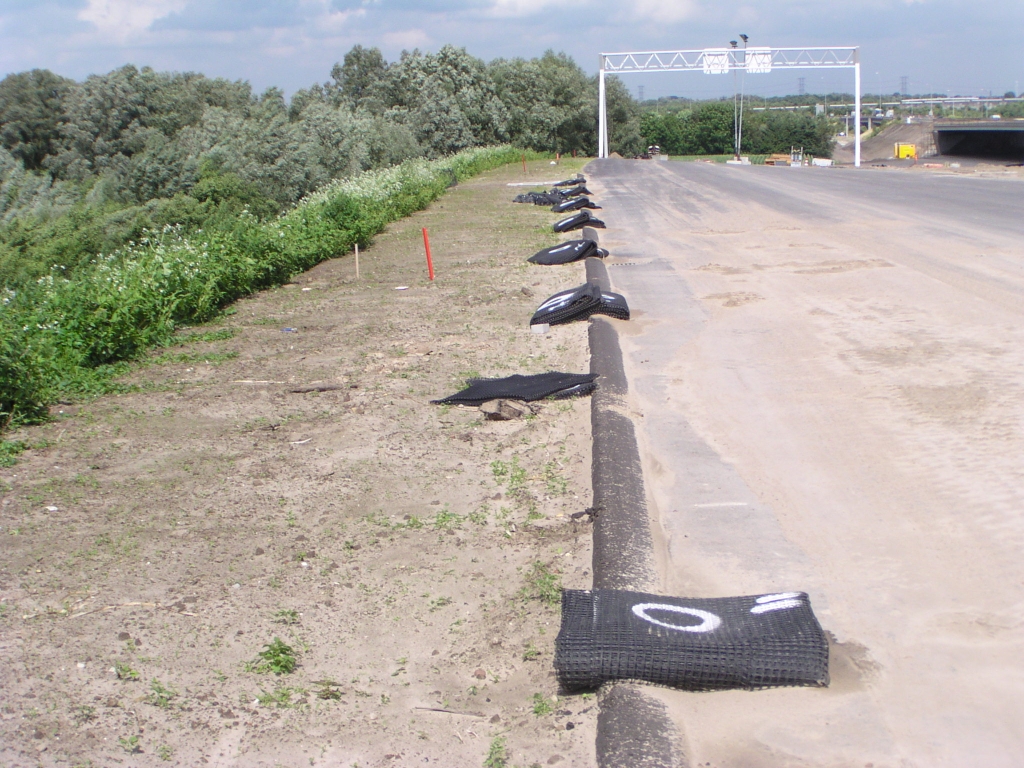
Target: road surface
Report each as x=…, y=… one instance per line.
x=827, y=379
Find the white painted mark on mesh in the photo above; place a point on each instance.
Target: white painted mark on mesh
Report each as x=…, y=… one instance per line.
x=780, y=605
x=709, y=621
x=779, y=596
x=721, y=504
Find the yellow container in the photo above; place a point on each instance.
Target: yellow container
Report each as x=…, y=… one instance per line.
x=904, y=151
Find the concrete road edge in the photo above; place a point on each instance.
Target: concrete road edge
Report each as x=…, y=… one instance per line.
x=633, y=728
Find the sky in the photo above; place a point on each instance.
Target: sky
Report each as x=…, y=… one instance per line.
x=959, y=47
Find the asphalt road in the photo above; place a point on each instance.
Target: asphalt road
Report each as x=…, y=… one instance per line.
x=827, y=380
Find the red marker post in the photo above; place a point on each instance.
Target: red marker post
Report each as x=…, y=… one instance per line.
x=430, y=262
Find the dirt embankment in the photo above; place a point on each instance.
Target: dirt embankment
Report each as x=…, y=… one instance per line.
x=281, y=485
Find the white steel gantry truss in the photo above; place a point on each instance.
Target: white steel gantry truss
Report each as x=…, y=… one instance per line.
x=720, y=61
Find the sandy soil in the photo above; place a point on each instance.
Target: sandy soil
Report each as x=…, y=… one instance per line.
x=155, y=543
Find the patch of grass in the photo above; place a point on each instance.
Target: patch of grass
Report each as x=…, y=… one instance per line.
x=440, y=602
x=530, y=653
x=160, y=695
x=221, y=334
x=185, y=358
x=276, y=657
x=556, y=484
x=497, y=754
x=286, y=616
x=280, y=697
x=479, y=516
x=9, y=452
x=542, y=584
x=541, y=705
x=328, y=690
x=509, y=474
x=447, y=521
x=125, y=672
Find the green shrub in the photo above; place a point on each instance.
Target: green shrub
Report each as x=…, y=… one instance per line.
x=56, y=332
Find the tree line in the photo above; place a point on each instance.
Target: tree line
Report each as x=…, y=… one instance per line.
x=86, y=167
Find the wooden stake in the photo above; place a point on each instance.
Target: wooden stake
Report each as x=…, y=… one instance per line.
x=357, y=261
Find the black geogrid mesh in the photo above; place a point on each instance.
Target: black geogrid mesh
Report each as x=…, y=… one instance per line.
x=538, y=198
x=575, y=204
x=697, y=644
x=580, y=179
x=579, y=304
x=564, y=253
x=574, y=191
x=519, y=387
x=577, y=221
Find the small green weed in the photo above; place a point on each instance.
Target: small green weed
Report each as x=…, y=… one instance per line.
x=497, y=754
x=541, y=705
x=129, y=744
x=164, y=752
x=276, y=657
x=125, y=672
x=328, y=690
x=542, y=584
x=530, y=653
x=286, y=616
x=556, y=484
x=447, y=521
x=509, y=473
x=440, y=602
x=160, y=695
x=279, y=697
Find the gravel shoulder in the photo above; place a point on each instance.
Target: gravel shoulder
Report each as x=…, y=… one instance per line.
x=281, y=475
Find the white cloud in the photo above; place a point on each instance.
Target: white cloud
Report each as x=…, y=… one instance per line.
x=408, y=38
x=519, y=8
x=670, y=12
x=122, y=18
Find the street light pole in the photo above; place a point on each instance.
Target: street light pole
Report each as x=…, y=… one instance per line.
x=735, y=113
x=739, y=138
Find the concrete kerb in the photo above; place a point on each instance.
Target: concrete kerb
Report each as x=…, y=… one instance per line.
x=633, y=729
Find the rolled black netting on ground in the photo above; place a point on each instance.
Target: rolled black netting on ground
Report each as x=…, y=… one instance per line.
x=539, y=198
x=574, y=204
x=579, y=304
x=567, y=252
x=519, y=387
x=577, y=221
x=580, y=189
x=580, y=179
x=757, y=641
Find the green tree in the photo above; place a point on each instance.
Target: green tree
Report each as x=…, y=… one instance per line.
x=32, y=114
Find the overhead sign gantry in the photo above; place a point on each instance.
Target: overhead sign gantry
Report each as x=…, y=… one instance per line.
x=721, y=61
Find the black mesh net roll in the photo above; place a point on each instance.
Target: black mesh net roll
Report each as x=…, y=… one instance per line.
x=580, y=179
x=580, y=189
x=758, y=641
x=564, y=253
x=519, y=387
x=538, y=198
x=577, y=221
x=579, y=304
x=575, y=204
